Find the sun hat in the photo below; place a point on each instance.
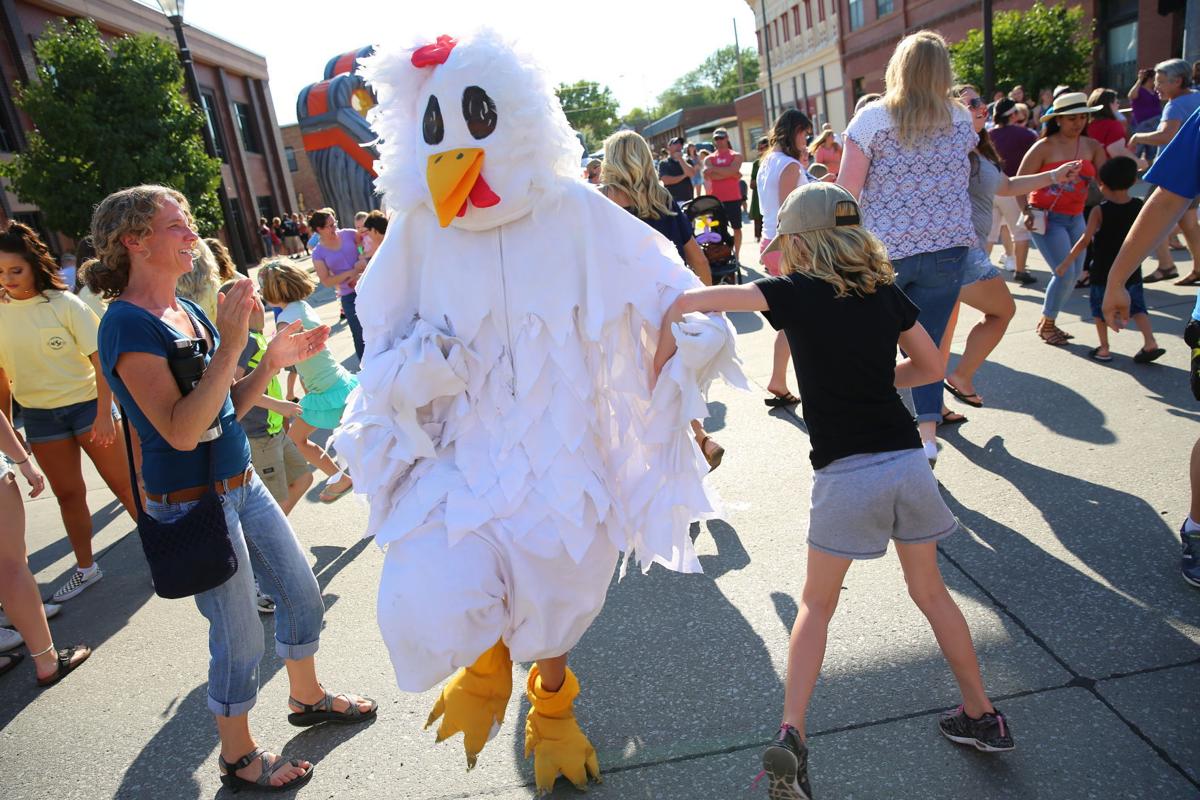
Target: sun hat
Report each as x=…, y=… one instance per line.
x=1070, y=103
x=720, y=133
x=814, y=207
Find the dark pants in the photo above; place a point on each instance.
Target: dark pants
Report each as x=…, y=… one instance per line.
x=355, y=325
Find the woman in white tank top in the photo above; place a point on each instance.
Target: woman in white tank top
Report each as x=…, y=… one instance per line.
x=779, y=173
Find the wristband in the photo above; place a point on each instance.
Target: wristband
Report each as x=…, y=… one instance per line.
x=19, y=463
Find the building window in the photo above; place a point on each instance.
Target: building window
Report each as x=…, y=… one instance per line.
x=882, y=8
x=213, y=122
x=821, y=9
x=8, y=138
x=266, y=204
x=290, y=153
x=1122, y=55
x=787, y=31
x=856, y=14
x=808, y=12
x=796, y=18
x=858, y=89
x=249, y=132
x=777, y=39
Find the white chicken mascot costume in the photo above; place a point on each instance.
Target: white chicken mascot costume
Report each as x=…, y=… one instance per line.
x=505, y=431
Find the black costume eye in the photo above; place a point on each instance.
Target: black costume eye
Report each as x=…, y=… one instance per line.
x=479, y=111
x=432, y=126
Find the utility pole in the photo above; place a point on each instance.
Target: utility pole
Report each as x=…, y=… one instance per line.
x=989, y=53
x=766, y=40
x=737, y=54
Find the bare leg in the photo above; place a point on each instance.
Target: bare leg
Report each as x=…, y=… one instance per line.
x=313, y=453
x=553, y=672
x=1142, y=321
x=1102, y=335
x=18, y=589
x=113, y=467
x=928, y=591
x=1022, y=251
x=296, y=490
x=1190, y=228
x=779, y=364
x=737, y=245
x=304, y=686
x=806, y=651
x=994, y=300
x=60, y=461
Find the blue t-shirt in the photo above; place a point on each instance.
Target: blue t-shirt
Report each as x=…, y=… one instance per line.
x=1177, y=168
x=1182, y=107
x=675, y=227
x=127, y=328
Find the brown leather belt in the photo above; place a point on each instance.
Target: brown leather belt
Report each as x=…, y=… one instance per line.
x=196, y=492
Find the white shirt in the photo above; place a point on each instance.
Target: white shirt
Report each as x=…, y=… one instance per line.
x=769, y=171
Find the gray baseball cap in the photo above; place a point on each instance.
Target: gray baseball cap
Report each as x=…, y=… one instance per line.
x=813, y=207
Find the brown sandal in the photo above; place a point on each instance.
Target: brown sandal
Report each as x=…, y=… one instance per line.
x=1052, y=334
x=718, y=453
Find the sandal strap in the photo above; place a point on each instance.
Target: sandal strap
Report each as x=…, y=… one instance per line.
x=242, y=762
x=324, y=704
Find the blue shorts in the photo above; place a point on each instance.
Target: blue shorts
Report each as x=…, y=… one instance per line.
x=1137, y=300
x=64, y=422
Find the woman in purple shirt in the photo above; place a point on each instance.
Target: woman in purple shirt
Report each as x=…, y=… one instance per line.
x=1147, y=110
x=335, y=258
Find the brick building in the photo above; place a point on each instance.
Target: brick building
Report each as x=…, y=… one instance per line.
x=304, y=179
x=233, y=86
x=1129, y=34
x=799, y=39
x=695, y=123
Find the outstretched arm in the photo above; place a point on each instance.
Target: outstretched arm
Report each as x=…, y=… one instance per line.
x=747, y=297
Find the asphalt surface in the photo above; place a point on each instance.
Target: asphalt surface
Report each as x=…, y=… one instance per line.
x=1071, y=484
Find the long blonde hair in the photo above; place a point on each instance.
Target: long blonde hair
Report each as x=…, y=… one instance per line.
x=848, y=257
x=918, y=81
x=201, y=284
x=629, y=166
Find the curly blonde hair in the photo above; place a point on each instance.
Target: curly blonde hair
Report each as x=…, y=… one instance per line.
x=629, y=166
x=282, y=283
x=201, y=284
x=124, y=213
x=848, y=257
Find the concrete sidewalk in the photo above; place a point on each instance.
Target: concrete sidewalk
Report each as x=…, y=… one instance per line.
x=1070, y=483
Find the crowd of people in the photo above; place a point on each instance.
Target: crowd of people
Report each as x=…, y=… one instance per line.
x=871, y=240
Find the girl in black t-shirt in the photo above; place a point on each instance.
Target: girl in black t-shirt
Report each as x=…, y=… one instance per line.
x=844, y=316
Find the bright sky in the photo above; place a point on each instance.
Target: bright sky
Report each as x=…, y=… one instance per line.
x=636, y=47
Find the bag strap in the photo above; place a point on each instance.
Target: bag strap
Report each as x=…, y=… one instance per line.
x=133, y=483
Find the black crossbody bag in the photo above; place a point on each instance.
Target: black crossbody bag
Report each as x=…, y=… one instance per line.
x=194, y=553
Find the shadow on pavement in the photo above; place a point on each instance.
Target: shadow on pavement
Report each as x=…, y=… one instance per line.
x=61, y=547
x=1125, y=616
x=746, y=321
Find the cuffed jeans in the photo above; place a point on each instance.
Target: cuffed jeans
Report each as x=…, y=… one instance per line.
x=348, y=301
x=266, y=548
x=1062, y=232
x=931, y=281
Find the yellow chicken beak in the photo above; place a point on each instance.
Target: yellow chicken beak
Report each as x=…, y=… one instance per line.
x=451, y=175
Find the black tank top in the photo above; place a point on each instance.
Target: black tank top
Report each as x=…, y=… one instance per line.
x=1116, y=220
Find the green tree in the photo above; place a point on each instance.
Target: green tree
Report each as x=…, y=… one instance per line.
x=590, y=108
x=638, y=118
x=714, y=81
x=108, y=116
x=1038, y=49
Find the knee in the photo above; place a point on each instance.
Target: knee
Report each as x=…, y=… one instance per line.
x=1006, y=310
x=928, y=598
x=72, y=497
x=12, y=567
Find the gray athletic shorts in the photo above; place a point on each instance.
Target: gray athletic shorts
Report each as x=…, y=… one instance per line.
x=862, y=501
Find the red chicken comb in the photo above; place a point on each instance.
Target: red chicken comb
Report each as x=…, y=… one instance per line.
x=431, y=55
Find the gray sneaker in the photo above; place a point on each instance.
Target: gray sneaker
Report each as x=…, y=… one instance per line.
x=785, y=763
x=264, y=602
x=10, y=639
x=77, y=583
x=52, y=610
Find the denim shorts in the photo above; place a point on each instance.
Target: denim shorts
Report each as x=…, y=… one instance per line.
x=64, y=422
x=978, y=268
x=5, y=467
x=1137, y=300
x=862, y=502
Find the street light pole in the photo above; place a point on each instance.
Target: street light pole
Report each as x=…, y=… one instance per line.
x=174, y=12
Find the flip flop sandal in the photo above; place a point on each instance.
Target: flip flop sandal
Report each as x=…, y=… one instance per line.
x=1146, y=356
x=1191, y=279
x=322, y=711
x=13, y=660
x=235, y=783
x=964, y=396
x=1094, y=354
x=327, y=496
x=952, y=418
x=1159, y=275
x=65, y=666
x=781, y=400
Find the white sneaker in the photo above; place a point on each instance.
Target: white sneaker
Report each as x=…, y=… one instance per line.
x=77, y=583
x=265, y=604
x=52, y=610
x=10, y=639
x=1010, y=264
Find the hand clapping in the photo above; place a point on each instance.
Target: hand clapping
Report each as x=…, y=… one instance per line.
x=293, y=344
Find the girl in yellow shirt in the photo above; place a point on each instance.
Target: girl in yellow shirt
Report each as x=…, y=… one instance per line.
x=49, y=363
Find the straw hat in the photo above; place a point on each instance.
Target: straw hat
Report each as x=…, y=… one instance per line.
x=1070, y=103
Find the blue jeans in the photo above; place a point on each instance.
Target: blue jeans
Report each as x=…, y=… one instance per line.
x=1147, y=151
x=932, y=281
x=1062, y=232
x=266, y=548
x=355, y=326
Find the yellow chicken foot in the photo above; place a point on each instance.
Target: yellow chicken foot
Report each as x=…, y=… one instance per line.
x=474, y=700
x=554, y=738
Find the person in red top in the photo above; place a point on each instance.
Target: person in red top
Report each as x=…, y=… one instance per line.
x=1106, y=127
x=723, y=169
x=1060, y=208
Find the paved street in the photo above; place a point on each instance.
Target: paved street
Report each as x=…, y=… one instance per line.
x=1070, y=484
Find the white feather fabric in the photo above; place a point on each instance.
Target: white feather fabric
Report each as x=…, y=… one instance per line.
x=507, y=383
